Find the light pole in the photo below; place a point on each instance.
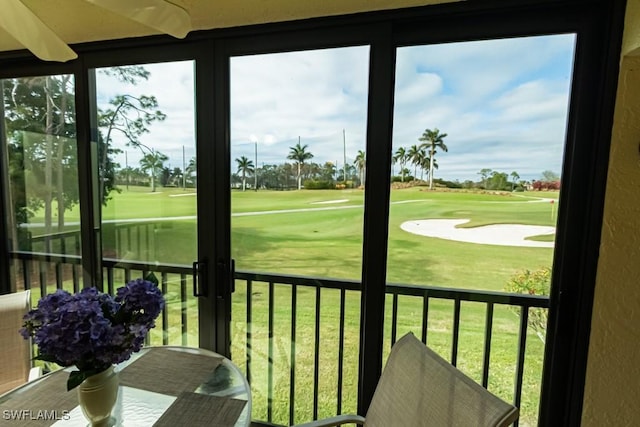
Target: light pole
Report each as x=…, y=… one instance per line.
x=344, y=152
x=255, y=168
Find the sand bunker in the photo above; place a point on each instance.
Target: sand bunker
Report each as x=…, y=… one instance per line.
x=496, y=234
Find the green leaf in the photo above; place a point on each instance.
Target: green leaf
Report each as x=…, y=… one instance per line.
x=152, y=278
x=75, y=379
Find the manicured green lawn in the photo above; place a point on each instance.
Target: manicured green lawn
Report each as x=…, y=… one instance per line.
x=325, y=239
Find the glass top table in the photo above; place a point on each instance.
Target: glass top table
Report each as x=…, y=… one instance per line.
x=152, y=382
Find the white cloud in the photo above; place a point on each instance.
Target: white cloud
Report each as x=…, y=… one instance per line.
x=276, y=98
x=502, y=103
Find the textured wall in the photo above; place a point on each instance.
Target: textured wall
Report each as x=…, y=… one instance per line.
x=612, y=386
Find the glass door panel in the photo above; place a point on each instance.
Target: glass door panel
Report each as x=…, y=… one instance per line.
x=40, y=146
x=478, y=142
x=298, y=124
x=147, y=167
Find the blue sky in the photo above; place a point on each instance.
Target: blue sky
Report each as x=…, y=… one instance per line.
x=502, y=104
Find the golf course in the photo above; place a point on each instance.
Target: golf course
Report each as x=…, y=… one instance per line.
x=318, y=233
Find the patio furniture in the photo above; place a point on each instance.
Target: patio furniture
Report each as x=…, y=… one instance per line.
x=15, y=357
x=419, y=388
x=159, y=386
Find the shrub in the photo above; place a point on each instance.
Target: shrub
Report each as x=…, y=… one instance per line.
x=398, y=178
x=312, y=184
x=546, y=185
x=341, y=185
x=537, y=282
x=448, y=184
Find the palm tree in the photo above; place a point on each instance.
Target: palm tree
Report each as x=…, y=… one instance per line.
x=176, y=177
x=484, y=173
x=361, y=164
x=125, y=175
x=299, y=154
x=153, y=162
x=401, y=158
x=328, y=171
x=433, y=139
x=415, y=155
x=245, y=166
x=191, y=171
x=425, y=163
x=514, y=176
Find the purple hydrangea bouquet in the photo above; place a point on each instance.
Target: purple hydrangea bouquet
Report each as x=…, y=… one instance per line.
x=93, y=330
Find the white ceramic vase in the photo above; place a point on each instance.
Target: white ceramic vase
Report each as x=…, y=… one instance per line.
x=97, y=396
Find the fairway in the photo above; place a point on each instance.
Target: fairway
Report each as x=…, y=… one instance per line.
x=328, y=243
x=298, y=232
x=319, y=233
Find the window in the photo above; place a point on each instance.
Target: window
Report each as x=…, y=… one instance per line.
x=478, y=147
x=49, y=200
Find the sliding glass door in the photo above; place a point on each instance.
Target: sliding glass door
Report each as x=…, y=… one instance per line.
x=478, y=149
x=298, y=134
x=146, y=161
x=40, y=163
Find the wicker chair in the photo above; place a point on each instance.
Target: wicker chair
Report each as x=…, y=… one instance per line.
x=419, y=388
x=15, y=362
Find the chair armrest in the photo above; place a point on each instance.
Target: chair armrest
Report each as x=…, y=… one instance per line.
x=35, y=372
x=334, y=421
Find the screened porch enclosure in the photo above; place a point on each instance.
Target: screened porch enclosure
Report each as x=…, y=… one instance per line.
x=309, y=192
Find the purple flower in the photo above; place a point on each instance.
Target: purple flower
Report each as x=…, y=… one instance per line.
x=93, y=330
x=141, y=298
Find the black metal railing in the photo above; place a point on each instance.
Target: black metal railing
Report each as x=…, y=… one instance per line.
x=302, y=297
x=62, y=242
x=136, y=237
x=294, y=284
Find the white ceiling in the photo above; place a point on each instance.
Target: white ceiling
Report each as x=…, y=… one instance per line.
x=78, y=21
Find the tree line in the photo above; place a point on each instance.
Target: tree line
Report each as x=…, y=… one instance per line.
x=40, y=133
x=300, y=173
x=496, y=180
x=328, y=175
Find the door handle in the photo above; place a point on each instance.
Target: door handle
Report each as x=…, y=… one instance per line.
x=225, y=274
x=200, y=288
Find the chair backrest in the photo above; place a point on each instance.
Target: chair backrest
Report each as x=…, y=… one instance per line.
x=15, y=355
x=419, y=388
